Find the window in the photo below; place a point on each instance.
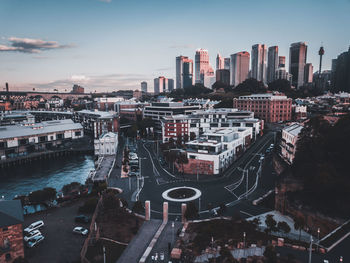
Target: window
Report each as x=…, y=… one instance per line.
x=5, y=229
x=78, y=133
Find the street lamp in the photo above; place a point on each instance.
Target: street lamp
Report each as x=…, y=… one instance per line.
x=172, y=228
x=244, y=234
x=318, y=239
x=310, y=249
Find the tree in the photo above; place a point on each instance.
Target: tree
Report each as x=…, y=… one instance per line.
x=283, y=227
x=109, y=200
x=270, y=254
x=270, y=223
x=182, y=159
x=138, y=208
x=191, y=211
x=299, y=223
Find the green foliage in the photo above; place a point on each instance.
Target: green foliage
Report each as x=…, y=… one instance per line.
x=322, y=164
x=270, y=254
x=191, y=211
x=192, y=91
x=89, y=205
x=283, y=227
x=250, y=86
x=109, y=200
x=66, y=189
x=225, y=103
x=39, y=196
x=138, y=208
x=299, y=224
x=270, y=223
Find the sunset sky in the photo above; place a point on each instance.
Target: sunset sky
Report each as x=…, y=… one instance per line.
x=115, y=44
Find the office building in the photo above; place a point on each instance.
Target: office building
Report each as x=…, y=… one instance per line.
x=290, y=136
x=203, y=69
x=272, y=63
x=227, y=62
x=160, y=85
x=144, y=86
x=297, y=61
x=269, y=107
x=170, y=85
x=258, y=68
x=106, y=144
x=281, y=61
x=223, y=76
x=239, y=67
x=184, y=72
x=220, y=62
x=77, y=89
x=308, y=73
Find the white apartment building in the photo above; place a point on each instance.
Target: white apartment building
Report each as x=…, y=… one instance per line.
x=216, y=150
x=107, y=144
x=290, y=136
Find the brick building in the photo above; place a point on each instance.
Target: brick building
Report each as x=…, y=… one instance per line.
x=269, y=107
x=11, y=234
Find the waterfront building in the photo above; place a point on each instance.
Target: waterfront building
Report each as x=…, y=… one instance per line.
x=239, y=67
x=106, y=144
x=198, y=122
x=11, y=118
x=78, y=89
x=215, y=150
x=97, y=123
x=11, y=233
x=272, y=63
x=258, y=68
x=144, y=86
x=20, y=140
x=290, y=136
x=269, y=107
x=297, y=61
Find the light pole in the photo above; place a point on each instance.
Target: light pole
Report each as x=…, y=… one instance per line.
x=199, y=205
x=318, y=239
x=172, y=228
x=104, y=254
x=244, y=234
x=310, y=249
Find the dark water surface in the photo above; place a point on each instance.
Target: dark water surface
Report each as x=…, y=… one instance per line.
x=47, y=173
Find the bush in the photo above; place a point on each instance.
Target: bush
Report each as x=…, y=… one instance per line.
x=138, y=208
x=66, y=189
x=191, y=211
x=39, y=196
x=89, y=205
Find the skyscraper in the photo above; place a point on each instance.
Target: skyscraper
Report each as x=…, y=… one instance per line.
x=239, y=67
x=187, y=74
x=308, y=73
x=227, y=62
x=220, y=62
x=259, y=62
x=144, y=86
x=297, y=61
x=281, y=72
x=223, y=76
x=170, y=85
x=203, y=68
x=160, y=85
x=281, y=62
x=272, y=63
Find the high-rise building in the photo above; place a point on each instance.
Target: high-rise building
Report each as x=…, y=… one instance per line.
x=170, y=85
x=184, y=72
x=259, y=62
x=297, y=61
x=160, y=85
x=308, y=73
x=220, y=62
x=223, y=76
x=227, y=62
x=187, y=74
x=203, y=68
x=239, y=67
x=281, y=62
x=272, y=63
x=144, y=86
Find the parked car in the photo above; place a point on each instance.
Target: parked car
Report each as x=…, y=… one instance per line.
x=134, y=168
x=133, y=157
x=80, y=230
x=133, y=174
x=134, y=162
x=32, y=234
x=82, y=219
x=34, y=226
x=34, y=241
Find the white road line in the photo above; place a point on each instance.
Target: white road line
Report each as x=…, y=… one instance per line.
x=246, y=213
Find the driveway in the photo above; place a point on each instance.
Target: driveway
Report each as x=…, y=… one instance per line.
x=60, y=244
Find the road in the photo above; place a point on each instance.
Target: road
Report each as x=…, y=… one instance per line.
x=230, y=188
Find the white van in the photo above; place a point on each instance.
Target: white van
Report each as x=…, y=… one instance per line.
x=34, y=226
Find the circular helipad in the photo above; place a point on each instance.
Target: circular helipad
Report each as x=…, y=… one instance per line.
x=181, y=194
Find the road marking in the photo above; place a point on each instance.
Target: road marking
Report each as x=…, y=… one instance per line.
x=246, y=213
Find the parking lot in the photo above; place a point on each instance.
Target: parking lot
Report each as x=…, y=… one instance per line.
x=60, y=245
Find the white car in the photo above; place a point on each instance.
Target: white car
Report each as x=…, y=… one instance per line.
x=80, y=230
x=133, y=157
x=32, y=234
x=34, y=226
x=34, y=241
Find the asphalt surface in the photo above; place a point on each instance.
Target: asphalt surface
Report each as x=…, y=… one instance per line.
x=228, y=189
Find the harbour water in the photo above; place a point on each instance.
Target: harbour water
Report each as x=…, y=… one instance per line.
x=47, y=173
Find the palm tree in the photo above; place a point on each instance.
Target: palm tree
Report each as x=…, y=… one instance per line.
x=299, y=224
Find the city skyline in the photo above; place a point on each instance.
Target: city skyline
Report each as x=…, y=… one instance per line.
x=90, y=48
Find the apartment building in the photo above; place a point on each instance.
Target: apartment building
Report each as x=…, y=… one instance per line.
x=290, y=136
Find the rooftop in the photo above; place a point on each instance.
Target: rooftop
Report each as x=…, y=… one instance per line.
x=294, y=129
x=100, y=114
x=12, y=131
x=11, y=213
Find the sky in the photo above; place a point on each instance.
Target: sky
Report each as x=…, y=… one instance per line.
x=107, y=45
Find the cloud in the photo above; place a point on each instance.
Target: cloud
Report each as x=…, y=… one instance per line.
x=100, y=83
x=29, y=45
x=182, y=46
